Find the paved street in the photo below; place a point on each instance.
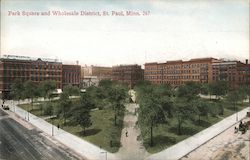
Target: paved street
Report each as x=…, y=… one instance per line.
x=18, y=142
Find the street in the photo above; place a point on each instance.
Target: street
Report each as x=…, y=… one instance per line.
x=18, y=142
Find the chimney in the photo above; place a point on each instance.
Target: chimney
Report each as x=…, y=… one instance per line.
x=246, y=61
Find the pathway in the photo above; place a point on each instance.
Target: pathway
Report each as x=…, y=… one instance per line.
x=131, y=147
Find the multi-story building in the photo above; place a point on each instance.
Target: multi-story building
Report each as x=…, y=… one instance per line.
x=71, y=75
x=178, y=72
x=202, y=70
x=244, y=73
x=127, y=74
x=234, y=72
x=35, y=69
x=91, y=75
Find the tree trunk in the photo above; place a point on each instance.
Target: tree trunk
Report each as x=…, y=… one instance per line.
x=151, y=135
x=179, y=126
x=115, y=119
x=199, y=119
x=32, y=104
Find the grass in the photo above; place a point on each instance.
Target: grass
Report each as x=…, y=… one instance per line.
x=166, y=135
x=100, y=133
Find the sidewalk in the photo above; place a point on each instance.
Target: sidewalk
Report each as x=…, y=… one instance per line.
x=84, y=148
x=131, y=147
x=186, y=146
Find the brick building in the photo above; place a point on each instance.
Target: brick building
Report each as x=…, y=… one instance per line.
x=178, y=72
x=71, y=75
x=234, y=72
x=201, y=70
x=34, y=69
x=127, y=74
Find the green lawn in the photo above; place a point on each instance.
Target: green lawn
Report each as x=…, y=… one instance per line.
x=100, y=133
x=166, y=135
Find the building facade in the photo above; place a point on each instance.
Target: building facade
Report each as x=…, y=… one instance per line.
x=202, y=70
x=34, y=69
x=127, y=74
x=91, y=75
x=71, y=75
x=178, y=72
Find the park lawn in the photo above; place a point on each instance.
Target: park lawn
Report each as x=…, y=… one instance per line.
x=166, y=135
x=100, y=133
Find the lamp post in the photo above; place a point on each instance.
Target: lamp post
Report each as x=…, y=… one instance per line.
x=236, y=109
x=52, y=127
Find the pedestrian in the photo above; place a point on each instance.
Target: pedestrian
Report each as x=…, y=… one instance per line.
x=235, y=129
x=58, y=126
x=126, y=133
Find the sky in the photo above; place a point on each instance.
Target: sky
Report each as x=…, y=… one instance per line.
x=164, y=30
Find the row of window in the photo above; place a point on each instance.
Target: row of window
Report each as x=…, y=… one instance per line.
x=176, y=77
x=178, y=66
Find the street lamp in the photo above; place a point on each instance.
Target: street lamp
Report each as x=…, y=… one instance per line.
x=236, y=109
x=52, y=127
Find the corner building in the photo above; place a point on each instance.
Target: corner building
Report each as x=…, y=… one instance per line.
x=178, y=72
x=201, y=70
x=127, y=74
x=26, y=68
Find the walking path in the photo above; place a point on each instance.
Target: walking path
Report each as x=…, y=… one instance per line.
x=131, y=148
x=84, y=148
x=186, y=146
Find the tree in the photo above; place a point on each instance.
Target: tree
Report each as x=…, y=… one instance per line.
x=82, y=114
x=118, y=95
x=151, y=114
x=202, y=108
x=71, y=90
x=47, y=88
x=189, y=91
x=64, y=106
x=106, y=83
x=83, y=118
x=233, y=97
x=17, y=89
x=219, y=88
x=30, y=91
x=183, y=111
x=242, y=91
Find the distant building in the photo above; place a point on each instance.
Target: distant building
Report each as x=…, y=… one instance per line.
x=178, y=72
x=37, y=70
x=234, y=72
x=71, y=75
x=91, y=75
x=202, y=70
x=26, y=68
x=127, y=74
